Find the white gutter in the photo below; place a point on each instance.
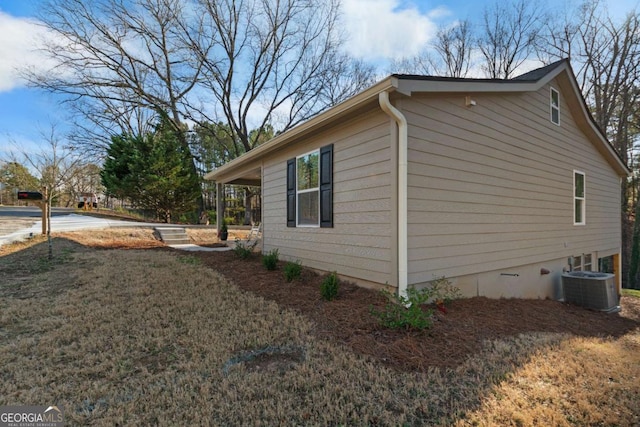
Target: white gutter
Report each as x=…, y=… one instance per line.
x=403, y=143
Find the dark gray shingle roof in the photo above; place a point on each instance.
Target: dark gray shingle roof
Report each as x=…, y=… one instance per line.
x=539, y=73
x=531, y=76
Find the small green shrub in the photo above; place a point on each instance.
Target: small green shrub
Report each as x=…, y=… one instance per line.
x=270, y=260
x=329, y=286
x=405, y=312
x=443, y=291
x=244, y=250
x=292, y=271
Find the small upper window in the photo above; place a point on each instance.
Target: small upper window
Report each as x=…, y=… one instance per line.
x=578, y=198
x=555, y=106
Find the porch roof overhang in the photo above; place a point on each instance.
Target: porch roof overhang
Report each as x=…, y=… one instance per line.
x=247, y=169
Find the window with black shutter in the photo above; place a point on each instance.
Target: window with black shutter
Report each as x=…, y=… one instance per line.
x=291, y=193
x=326, y=186
x=310, y=189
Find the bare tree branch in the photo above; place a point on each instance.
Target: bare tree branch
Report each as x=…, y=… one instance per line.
x=122, y=54
x=272, y=63
x=508, y=39
x=454, y=46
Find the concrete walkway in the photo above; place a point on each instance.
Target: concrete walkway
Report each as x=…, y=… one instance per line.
x=192, y=247
x=176, y=237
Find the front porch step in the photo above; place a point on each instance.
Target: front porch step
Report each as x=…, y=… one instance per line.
x=173, y=235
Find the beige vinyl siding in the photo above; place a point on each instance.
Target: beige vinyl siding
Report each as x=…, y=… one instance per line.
x=490, y=187
x=359, y=244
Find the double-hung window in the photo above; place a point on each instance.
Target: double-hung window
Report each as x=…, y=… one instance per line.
x=555, y=106
x=579, y=198
x=310, y=189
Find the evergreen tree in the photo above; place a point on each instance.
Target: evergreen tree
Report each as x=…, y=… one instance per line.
x=15, y=177
x=117, y=174
x=153, y=171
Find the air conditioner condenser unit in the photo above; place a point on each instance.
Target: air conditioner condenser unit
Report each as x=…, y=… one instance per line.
x=590, y=289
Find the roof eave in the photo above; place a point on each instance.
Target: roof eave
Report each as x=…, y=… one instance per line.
x=390, y=83
x=607, y=149
x=408, y=85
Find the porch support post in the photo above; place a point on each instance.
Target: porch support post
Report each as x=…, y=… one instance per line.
x=219, y=205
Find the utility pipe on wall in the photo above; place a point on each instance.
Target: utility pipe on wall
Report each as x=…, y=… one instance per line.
x=403, y=259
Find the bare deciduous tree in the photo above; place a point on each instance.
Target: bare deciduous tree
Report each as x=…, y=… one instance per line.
x=54, y=164
x=606, y=56
x=271, y=63
x=454, y=46
x=419, y=64
x=344, y=79
x=85, y=178
x=95, y=120
x=448, y=55
x=250, y=64
x=508, y=36
x=118, y=56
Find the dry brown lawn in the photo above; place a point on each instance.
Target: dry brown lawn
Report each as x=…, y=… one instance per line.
x=157, y=337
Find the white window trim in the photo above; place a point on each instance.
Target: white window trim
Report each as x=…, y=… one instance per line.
x=583, y=198
x=308, y=190
x=582, y=266
x=585, y=263
x=552, y=107
x=577, y=266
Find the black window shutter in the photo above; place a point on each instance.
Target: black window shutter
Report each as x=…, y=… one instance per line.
x=291, y=192
x=326, y=186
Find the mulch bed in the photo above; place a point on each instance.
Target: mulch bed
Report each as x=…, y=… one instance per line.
x=454, y=336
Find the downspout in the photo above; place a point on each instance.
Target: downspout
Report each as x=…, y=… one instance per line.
x=403, y=259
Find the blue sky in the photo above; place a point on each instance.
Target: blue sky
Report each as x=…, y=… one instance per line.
x=378, y=30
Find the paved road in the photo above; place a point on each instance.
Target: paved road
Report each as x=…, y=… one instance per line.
x=19, y=223
x=15, y=218
x=30, y=212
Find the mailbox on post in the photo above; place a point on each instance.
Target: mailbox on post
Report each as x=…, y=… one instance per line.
x=29, y=195
x=38, y=198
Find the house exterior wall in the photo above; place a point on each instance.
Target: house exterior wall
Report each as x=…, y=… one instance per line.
x=360, y=243
x=491, y=193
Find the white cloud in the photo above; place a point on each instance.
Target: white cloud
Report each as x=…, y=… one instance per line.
x=380, y=29
x=439, y=12
x=18, y=43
